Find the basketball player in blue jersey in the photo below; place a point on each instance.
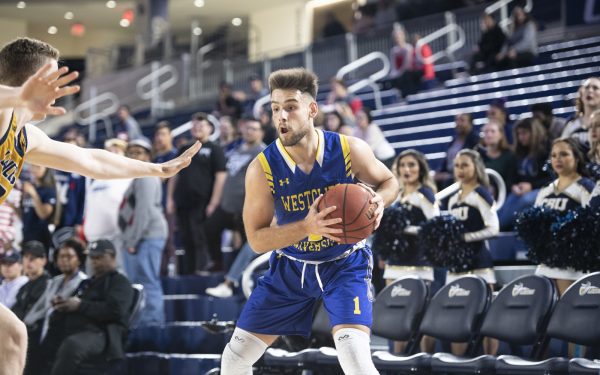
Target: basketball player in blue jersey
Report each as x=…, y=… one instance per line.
x=286, y=181
x=568, y=192
x=31, y=99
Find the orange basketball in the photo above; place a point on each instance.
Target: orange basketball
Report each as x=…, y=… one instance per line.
x=352, y=205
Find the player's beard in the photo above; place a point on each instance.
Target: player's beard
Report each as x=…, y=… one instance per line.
x=296, y=137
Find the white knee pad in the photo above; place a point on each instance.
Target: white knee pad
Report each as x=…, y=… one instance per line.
x=242, y=351
x=354, y=352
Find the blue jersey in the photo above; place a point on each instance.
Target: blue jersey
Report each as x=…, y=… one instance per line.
x=295, y=191
x=575, y=195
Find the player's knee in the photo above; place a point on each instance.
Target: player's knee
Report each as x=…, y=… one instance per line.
x=354, y=352
x=242, y=351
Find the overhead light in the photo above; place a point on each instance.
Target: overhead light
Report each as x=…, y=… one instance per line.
x=69, y=15
x=52, y=30
x=21, y=5
x=197, y=31
x=199, y=3
x=124, y=22
x=111, y=4
x=237, y=21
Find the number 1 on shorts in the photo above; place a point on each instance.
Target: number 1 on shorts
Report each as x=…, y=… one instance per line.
x=356, y=306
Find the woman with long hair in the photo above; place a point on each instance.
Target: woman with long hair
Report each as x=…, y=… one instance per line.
x=588, y=101
x=567, y=192
x=417, y=195
x=39, y=205
x=531, y=152
x=496, y=152
x=594, y=155
x=475, y=207
x=520, y=47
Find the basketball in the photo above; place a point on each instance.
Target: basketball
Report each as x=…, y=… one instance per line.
x=353, y=207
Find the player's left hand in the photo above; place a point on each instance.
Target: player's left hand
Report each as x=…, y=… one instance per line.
x=378, y=200
x=41, y=90
x=171, y=167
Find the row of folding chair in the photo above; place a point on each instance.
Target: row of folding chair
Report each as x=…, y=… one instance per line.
x=525, y=313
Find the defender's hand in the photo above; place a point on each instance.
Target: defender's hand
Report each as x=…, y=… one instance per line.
x=171, y=167
x=41, y=90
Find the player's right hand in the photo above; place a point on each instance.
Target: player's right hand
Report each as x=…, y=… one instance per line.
x=42, y=89
x=316, y=223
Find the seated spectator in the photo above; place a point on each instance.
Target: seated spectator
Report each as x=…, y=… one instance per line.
x=227, y=104
x=401, y=57
x=144, y=234
x=532, y=148
x=497, y=113
x=39, y=203
x=34, y=261
x=228, y=215
x=228, y=133
x=363, y=20
x=345, y=102
x=370, y=132
x=257, y=91
x=554, y=125
x=464, y=137
x=588, y=101
x=12, y=277
x=95, y=320
x=489, y=45
x=423, y=66
x=69, y=258
x=521, y=47
x=128, y=128
x=496, y=153
x=9, y=216
x=335, y=123
x=102, y=201
x=234, y=275
x=269, y=129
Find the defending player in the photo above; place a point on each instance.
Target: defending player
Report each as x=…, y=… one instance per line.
x=287, y=180
x=25, y=96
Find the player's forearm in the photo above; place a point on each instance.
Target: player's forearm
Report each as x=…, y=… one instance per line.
x=107, y=165
x=277, y=237
x=10, y=97
x=388, y=190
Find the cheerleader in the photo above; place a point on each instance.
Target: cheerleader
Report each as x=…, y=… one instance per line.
x=475, y=207
x=568, y=192
x=594, y=135
x=417, y=195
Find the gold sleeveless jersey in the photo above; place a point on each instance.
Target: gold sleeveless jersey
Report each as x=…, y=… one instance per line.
x=12, y=150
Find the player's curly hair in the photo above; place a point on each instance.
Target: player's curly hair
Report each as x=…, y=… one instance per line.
x=21, y=58
x=294, y=79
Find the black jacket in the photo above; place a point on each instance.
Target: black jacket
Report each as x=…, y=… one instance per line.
x=29, y=294
x=106, y=303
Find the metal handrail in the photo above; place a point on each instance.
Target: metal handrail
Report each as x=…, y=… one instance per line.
x=258, y=105
x=91, y=106
x=445, y=193
x=450, y=49
x=201, y=64
x=502, y=5
x=156, y=88
x=371, y=80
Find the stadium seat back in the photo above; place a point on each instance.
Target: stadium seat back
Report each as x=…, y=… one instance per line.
x=456, y=310
x=520, y=312
x=399, y=308
x=576, y=317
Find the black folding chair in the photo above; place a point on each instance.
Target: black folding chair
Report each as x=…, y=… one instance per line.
x=454, y=314
x=518, y=315
x=576, y=319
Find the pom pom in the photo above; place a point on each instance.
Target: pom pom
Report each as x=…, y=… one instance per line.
x=593, y=171
x=390, y=242
x=577, y=236
x=441, y=239
x=534, y=227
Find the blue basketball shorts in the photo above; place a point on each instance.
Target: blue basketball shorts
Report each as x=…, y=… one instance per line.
x=281, y=305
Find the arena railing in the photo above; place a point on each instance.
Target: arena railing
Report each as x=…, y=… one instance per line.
x=88, y=114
